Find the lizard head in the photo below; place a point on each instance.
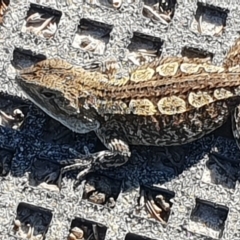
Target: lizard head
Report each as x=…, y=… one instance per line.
x=51, y=85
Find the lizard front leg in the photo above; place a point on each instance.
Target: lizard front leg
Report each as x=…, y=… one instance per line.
x=91, y=162
x=117, y=154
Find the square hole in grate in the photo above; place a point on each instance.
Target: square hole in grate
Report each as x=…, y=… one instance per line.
x=86, y=229
x=13, y=112
x=31, y=221
x=6, y=156
x=92, y=36
x=100, y=189
x=209, y=20
x=25, y=58
x=156, y=202
x=132, y=236
x=225, y=131
x=208, y=218
x=44, y=173
x=191, y=52
x=3, y=8
x=41, y=21
x=221, y=171
x=114, y=4
x=159, y=11
x=144, y=48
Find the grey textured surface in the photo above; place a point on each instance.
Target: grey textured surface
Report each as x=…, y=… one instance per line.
x=205, y=203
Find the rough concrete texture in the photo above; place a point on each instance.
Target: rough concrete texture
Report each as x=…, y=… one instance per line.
x=203, y=191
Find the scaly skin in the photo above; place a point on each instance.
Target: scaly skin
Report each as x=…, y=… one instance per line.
x=170, y=102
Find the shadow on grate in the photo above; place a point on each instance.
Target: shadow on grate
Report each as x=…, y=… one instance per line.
x=55, y=132
x=6, y=156
x=44, y=174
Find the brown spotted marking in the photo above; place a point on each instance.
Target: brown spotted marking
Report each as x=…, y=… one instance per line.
x=171, y=105
x=212, y=69
x=168, y=69
x=112, y=107
x=142, y=75
x=235, y=69
x=189, y=68
x=199, y=99
x=222, y=93
x=121, y=82
x=142, y=107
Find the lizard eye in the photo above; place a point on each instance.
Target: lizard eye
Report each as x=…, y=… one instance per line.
x=48, y=94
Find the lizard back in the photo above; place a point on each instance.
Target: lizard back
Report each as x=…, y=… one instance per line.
x=170, y=102
x=168, y=87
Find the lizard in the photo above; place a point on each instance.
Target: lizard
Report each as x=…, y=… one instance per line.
x=169, y=102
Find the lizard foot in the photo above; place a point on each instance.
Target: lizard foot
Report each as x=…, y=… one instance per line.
x=91, y=162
